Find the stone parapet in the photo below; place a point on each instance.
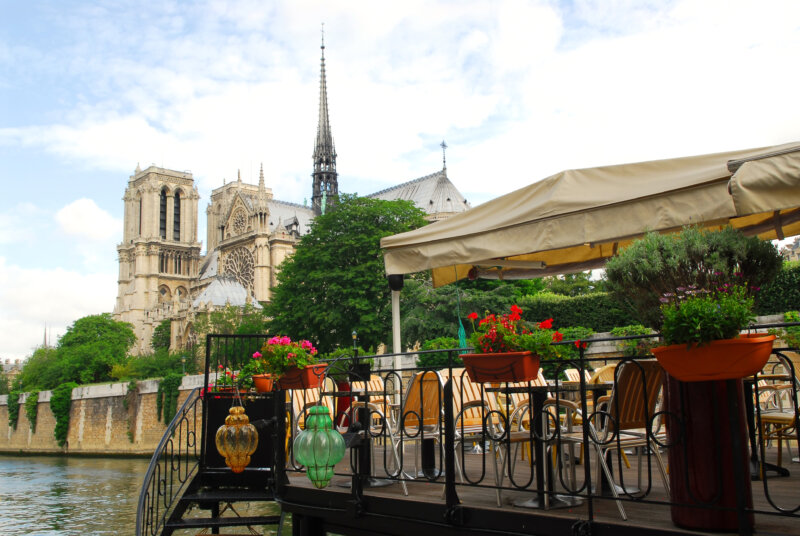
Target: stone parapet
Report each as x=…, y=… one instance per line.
x=104, y=419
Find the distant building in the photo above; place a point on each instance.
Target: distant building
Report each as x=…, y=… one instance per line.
x=792, y=251
x=161, y=272
x=11, y=368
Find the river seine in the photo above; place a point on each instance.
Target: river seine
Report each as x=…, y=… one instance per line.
x=59, y=496
x=48, y=495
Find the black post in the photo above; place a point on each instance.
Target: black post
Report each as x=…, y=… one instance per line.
x=745, y=529
x=451, y=497
x=303, y=525
x=279, y=443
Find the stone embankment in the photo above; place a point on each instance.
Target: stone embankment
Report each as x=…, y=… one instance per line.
x=104, y=419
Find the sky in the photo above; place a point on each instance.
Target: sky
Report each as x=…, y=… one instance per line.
x=518, y=89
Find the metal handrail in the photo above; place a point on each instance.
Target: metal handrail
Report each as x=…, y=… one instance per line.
x=169, y=470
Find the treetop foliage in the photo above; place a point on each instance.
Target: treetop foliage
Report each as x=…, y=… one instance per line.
x=335, y=283
x=85, y=354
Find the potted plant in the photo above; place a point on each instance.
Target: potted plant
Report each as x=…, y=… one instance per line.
x=696, y=287
x=509, y=349
x=702, y=330
x=292, y=362
x=226, y=380
x=257, y=370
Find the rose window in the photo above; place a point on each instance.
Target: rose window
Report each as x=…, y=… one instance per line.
x=239, y=223
x=239, y=263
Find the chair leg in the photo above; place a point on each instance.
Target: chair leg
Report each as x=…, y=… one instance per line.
x=607, y=471
x=661, y=468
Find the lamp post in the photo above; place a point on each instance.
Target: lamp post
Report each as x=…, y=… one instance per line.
x=183, y=364
x=355, y=344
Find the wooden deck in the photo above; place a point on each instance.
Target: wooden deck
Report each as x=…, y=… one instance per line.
x=644, y=517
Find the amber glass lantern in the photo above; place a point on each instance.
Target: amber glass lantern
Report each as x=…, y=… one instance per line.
x=237, y=439
x=319, y=447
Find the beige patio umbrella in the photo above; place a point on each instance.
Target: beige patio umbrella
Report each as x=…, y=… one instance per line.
x=577, y=219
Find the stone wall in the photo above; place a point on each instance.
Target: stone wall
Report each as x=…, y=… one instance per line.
x=104, y=419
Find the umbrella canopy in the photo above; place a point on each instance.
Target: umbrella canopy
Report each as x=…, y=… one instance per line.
x=577, y=219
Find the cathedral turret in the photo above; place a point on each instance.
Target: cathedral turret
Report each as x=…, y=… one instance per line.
x=326, y=187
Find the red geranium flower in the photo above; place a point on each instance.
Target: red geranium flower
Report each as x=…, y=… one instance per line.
x=547, y=324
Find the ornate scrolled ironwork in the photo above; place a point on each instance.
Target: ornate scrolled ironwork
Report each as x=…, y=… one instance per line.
x=173, y=465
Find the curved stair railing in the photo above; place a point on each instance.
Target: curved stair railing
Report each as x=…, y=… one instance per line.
x=172, y=467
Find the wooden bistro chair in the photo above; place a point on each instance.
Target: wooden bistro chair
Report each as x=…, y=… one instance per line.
x=628, y=413
x=778, y=412
x=474, y=412
x=421, y=412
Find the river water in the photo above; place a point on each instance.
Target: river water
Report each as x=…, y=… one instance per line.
x=59, y=496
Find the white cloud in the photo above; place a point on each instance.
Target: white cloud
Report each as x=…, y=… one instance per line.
x=83, y=218
x=518, y=89
x=20, y=223
x=33, y=298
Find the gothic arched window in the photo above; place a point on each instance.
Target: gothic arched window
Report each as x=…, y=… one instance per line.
x=162, y=220
x=176, y=221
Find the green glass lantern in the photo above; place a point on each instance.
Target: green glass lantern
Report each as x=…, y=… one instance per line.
x=237, y=439
x=319, y=447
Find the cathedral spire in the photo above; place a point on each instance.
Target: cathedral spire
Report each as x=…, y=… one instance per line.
x=325, y=176
x=261, y=185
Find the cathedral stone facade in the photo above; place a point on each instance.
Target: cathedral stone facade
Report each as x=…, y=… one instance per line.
x=162, y=275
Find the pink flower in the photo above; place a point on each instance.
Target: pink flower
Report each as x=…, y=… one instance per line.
x=257, y=355
x=291, y=355
x=285, y=341
x=274, y=340
x=306, y=345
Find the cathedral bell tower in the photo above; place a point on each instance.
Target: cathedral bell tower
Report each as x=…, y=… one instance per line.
x=326, y=187
x=159, y=255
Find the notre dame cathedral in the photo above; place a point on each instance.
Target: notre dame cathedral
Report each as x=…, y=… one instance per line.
x=162, y=275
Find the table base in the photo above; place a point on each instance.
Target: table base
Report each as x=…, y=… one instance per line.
x=555, y=501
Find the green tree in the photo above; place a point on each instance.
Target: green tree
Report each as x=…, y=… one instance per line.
x=429, y=313
x=230, y=320
x=162, y=334
x=91, y=346
x=335, y=281
x=4, y=384
x=573, y=284
x=41, y=371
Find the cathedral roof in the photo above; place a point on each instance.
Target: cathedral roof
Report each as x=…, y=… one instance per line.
x=432, y=193
x=284, y=213
x=223, y=291
x=209, y=268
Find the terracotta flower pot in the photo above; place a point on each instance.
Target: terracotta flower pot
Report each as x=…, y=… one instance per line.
x=263, y=382
x=726, y=359
x=302, y=378
x=501, y=366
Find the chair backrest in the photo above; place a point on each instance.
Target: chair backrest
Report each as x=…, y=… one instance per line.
x=374, y=385
x=628, y=406
x=604, y=374
x=302, y=399
x=574, y=375
x=422, y=404
x=466, y=391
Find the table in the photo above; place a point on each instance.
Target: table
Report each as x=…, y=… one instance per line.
x=538, y=397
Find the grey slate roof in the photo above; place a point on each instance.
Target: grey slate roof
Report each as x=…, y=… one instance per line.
x=209, y=268
x=432, y=193
x=222, y=291
x=283, y=213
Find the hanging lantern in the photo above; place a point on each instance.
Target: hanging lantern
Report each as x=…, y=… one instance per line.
x=237, y=439
x=319, y=447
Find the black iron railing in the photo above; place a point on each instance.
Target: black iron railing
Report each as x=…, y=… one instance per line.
x=173, y=465
x=576, y=444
